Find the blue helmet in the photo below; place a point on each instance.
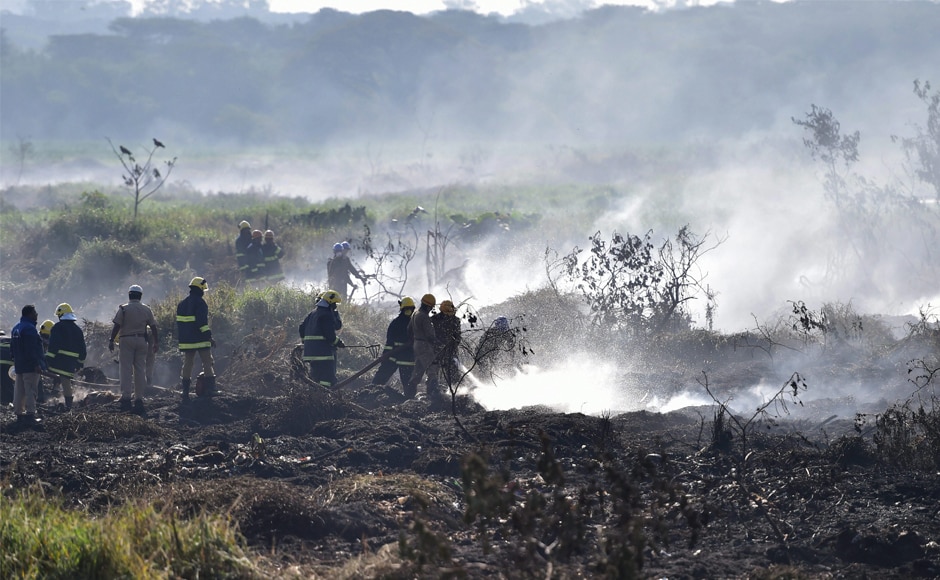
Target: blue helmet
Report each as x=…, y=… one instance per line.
x=346, y=246
x=337, y=247
x=501, y=323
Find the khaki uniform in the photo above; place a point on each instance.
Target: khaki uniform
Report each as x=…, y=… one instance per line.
x=425, y=347
x=134, y=318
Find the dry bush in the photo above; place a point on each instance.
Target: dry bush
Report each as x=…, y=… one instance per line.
x=103, y=427
x=260, y=507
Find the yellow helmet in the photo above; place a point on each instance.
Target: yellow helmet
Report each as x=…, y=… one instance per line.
x=244, y=225
x=46, y=328
x=331, y=297
x=406, y=302
x=447, y=307
x=63, y=309
x=200, y=283
x=429, y=300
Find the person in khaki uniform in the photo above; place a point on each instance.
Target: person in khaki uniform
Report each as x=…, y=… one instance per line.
x=131, y=325
x=426, y=344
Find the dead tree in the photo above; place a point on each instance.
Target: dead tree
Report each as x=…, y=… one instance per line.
x=143, y=179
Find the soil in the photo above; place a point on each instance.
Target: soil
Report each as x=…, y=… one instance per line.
x=359, y=483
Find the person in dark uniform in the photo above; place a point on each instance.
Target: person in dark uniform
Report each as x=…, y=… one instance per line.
x=399, y=351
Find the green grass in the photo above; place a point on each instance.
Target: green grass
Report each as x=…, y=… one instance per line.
x=40, y=538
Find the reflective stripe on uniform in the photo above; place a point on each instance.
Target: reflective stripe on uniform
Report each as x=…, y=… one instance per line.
x=182, y=318
x=313, y=358
x=62, y=372
x=194, y=345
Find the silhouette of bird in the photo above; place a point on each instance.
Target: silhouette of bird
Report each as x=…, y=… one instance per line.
x=125, y=150
x=157, y=143
x=156, y=173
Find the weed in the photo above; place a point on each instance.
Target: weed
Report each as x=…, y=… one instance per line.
x=42, y=539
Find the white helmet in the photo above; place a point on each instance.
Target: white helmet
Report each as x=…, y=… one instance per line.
x=135, y=288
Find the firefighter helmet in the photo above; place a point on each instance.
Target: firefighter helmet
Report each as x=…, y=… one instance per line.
x=244, y=225
x=429, y=300
x=346, y=246
x=46, y=328
x=256, y=234
x=269, y=234
x=406, y=302
x=337, y=247
x=200, y=283
x=501, y=323
x=331, y=297
x=63, y=309
x=447, y=307
x=135, y=288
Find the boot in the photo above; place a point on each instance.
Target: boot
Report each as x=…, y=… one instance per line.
x=139, y=406
x=186, y=383
x=68, y=403
x=126, y=405
x=29, y=420
x=210, y=385
x=410, y=390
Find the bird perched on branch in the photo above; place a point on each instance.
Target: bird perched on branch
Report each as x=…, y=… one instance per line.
x=157, y=143
x=125, y=150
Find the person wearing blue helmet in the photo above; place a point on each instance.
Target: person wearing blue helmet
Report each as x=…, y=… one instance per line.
x=340, y=270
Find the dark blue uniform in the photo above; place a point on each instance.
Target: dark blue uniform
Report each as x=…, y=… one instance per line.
x=400, y=341
x=6, y=362
x=66, y=352
x=318, y=333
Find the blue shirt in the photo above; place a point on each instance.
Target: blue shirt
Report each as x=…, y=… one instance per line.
x=26, y=346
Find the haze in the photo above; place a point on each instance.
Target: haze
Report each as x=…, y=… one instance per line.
x=686, y=113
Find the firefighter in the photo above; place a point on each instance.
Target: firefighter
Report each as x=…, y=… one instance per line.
x=426, y=345
x=29, y=360
x=133, y=325
x=399, y=353
x=447, y=329
x=6, y=363
x=318, y=332
x=272, y=258
x=67, y=352
x=340, y=270
x=195, y=337
x=241, y=247
x=255, y=256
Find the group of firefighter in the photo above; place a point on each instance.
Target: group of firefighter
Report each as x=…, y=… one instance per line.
x=258, y=255
x=58, y=350
x=419, y=343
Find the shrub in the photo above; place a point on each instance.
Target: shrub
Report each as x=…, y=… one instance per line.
x=39, y=538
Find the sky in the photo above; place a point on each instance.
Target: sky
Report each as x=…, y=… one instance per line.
x=504, y=7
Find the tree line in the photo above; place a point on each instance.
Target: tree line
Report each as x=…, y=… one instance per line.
x=614, y=73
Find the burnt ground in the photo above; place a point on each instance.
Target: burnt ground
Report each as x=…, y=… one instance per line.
x=359, y=484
